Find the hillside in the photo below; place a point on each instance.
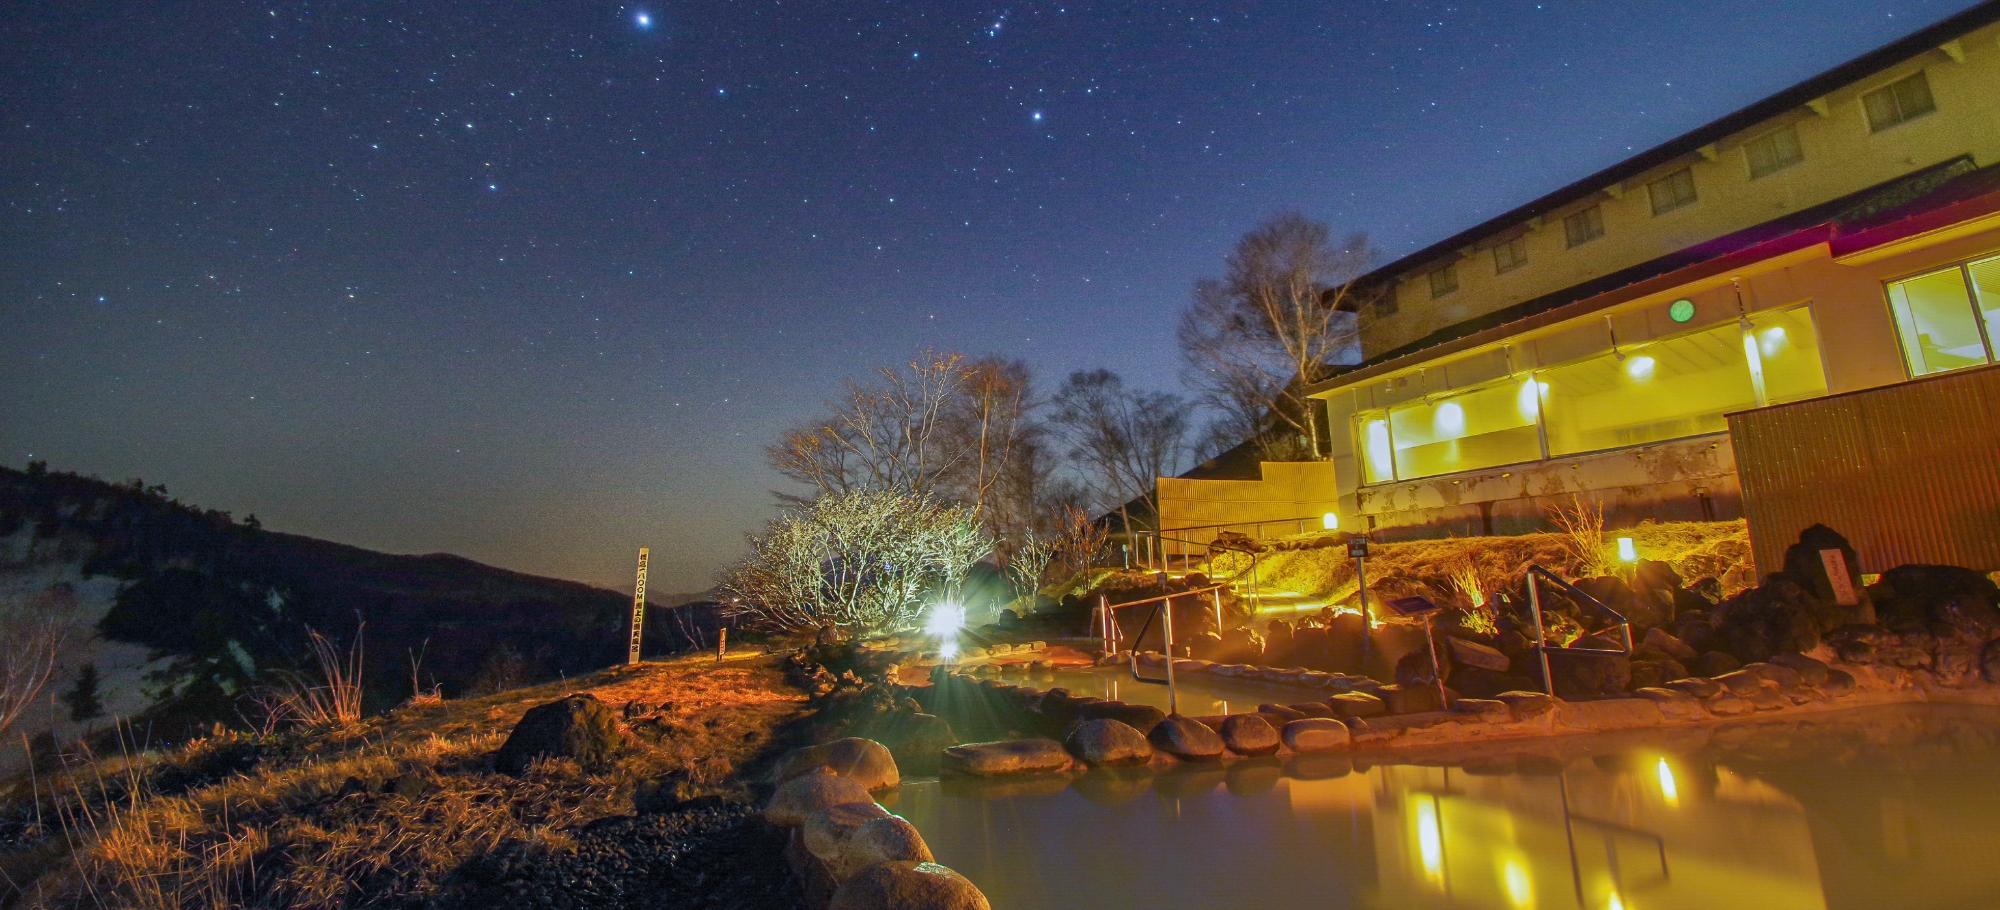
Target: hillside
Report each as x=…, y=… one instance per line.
x=198, y=610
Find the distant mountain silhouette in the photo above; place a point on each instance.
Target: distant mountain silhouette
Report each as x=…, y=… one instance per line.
x=228, y=604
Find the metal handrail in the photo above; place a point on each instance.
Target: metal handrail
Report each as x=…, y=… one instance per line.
x=1165, y=613
x=1535, y=574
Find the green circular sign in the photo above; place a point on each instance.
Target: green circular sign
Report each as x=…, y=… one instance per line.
x=1681, y=310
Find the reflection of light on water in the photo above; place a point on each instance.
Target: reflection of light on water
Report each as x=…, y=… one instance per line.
x=1613, y=902
x=1520, y=891
x=1668, y=789
x=1430, y=840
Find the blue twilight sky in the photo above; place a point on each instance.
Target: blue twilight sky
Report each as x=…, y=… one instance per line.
x=535, y=282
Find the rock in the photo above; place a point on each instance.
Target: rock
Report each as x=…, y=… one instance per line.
x=1805, y=567
x=1727, y=705
x=1674, y=705
x=1741, y=682
x=1583, y=675
x=1279, y=714
x=1914, y=596
x=916, y=740
x=889, y=839
x=908, y=886
x=1478, y=683
x=1527, y=705
x=1773, y=618
x=663, y=793
x=1486, y=710
x=1014, y=756
x=1412, y=699
x=1696, y=686
x=1811, y=672
x=1713, y=663
x=1667, y=643
x=1989, y=661
x=1138, y=717
x=1467, y=653
x=826, y=831
x=1357, y=704
x=797, y=799
x=1315, y=734
x=1249, y=734
x=1103, y=741
x=1312, y=709
x=575, y=726
x=1784, y=677
x=1655, y=673
x=1185, y=738
x=1768, y=699
x=1839, y=683
x=864, y=761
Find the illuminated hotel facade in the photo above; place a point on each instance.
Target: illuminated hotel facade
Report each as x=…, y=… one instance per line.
x=1841, y=235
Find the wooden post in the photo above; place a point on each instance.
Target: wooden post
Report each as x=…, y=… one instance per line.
x=721, y=642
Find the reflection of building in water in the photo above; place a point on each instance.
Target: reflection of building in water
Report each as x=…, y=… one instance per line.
x=1652, y=837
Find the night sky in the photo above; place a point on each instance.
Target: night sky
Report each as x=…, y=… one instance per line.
x=535, y=282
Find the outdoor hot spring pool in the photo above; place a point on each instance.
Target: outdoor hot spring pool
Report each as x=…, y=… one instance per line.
x=1876, y=809
x=1200, y=694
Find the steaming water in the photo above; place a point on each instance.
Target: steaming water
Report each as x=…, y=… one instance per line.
x=1885, y=808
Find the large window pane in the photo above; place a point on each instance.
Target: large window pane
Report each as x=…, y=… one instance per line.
x=1788, y=346
x=1934, y=318
x=1378, y=460
x=1986, y=283
x=1474, y=428
x=1664, y=390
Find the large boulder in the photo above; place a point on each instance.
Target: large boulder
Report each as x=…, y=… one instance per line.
x=1315, y=734
x=797, y=799
x=1578, y=674
x=1466, y=653
x=1014, y=756
x=1667, y=644
x=1249, y=734
x=1414, y=698
x=864, y=761
x=1777, y=617
x=1185, y=738
x=575, y=726
x=917, y=740
x=888, y=839
x=826, y=831
x=908, y=885
x=1103, y=741
x=1527, y=705
x=1805, y=566
x=1357, y=704
x=1936, y=598
x=1138, y=717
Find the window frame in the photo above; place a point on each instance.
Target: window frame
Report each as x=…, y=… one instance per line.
x=1888, y=89
x=1798, y=146
x=1598, y=223
x=1450, y=284
x=1519, y=243
x=1676, y=203
x=1964, y=269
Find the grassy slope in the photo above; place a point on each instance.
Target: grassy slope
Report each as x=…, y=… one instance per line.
x=315, y=820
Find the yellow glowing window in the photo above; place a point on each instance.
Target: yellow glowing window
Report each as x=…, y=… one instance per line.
x=1985, y=276
x=1662, y=390
x=1479, y=427
x=1937, y=322
x=1378, y=457
x=1788, y=346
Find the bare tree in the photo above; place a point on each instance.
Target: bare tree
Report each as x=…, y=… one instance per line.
x=1028, y=567
x=943, y=425
x=34, y=630
x=1277, y=321
x=1078, y=540
x=861, y=562
x=1123, y=440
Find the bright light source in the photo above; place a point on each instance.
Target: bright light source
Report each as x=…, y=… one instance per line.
x=1627, y=552
x=1330, y=521
x=1640, y=367
x=1381, y=458
x=945, y=621
x=1669, y=790
x=948, y=651
x=1773, y=340
x=1529, y=400
x=1520, y=888
x=1450, y=420
x=1614, y=902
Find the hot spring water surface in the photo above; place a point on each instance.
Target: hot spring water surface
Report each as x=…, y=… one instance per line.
x=1885, y=808
x=1200, y=694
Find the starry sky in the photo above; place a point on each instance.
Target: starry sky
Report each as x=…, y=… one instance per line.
x=534, y=283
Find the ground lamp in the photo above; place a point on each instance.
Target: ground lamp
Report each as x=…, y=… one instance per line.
x=943, y=624
x=1626, y=551
x=1330, y=521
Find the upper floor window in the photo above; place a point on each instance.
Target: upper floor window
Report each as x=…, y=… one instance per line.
x=1385, y=303
x=1904, y=99
x=1444, y=280
x=1584, y=226
x=1774, y=151
x=1672, y=191
x=1510, y=255
x=1946, y=319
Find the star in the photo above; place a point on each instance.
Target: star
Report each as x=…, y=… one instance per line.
x=643, y=19
x=1036, y=116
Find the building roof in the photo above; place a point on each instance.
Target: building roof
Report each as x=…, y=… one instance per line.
x=1904, y=202
x=1692, y=141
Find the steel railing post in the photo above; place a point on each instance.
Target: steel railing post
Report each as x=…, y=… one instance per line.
x=1167, y=632
x=1541, y=639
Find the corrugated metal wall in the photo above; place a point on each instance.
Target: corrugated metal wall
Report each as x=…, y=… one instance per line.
x=1908, y=473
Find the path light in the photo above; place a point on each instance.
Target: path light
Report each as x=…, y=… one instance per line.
x=1626, y=551
x=945, y=621
x=1330, y=521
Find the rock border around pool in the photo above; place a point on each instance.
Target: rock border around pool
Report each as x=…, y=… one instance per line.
x=1360, y=714
x=847, y=851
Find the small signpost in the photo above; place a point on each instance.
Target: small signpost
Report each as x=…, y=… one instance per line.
x=1357, y=550
x=721, y=643
x=1837, y=577
x=1422, y=606
x=638, y=610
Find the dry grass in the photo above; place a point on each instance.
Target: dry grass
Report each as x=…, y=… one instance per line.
x=318, y=821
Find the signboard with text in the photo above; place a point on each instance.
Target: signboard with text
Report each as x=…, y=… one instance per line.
x=638, y=610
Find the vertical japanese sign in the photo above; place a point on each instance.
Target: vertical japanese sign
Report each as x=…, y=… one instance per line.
x=638, y=610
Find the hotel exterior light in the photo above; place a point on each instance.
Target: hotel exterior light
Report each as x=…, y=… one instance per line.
x=1330, y=521
x=1627, y=552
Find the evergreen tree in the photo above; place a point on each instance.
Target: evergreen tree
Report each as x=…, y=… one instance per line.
x=82, y=697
